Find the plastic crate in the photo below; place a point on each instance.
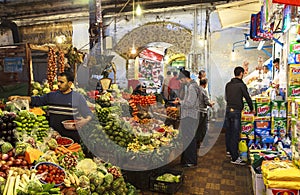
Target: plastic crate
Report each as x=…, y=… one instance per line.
x=165, y=187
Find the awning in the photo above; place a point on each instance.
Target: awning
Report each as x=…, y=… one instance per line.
x=235, y=13
x=288, y=2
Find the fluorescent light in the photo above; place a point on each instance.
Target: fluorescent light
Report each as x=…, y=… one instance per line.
x=138, y=10
x=233, y=55
x=260, y=45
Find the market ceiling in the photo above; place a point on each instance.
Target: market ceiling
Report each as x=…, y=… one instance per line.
x=42, y=11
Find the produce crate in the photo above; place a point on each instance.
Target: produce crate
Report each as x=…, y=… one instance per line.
x=165, y=187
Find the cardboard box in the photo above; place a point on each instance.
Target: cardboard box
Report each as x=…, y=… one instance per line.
x=271, y=191
x=257, y=183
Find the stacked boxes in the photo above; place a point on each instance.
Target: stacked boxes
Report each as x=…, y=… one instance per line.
x=295, y=130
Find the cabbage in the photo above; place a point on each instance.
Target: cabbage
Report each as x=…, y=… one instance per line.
x=84, y=181
x=6, y=147
x=83, y=191
x=52, y=143
x=34, y=186
x=96, y=178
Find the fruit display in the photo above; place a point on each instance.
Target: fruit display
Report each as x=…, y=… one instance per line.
x=172, y=112
x=27, y=122
x=51, y=173
x=6, y=127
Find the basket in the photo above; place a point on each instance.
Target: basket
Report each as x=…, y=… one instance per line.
x=69, y=124
x=53, y=164
x=165, y=187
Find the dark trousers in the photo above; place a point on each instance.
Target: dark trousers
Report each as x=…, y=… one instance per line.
x=188, y=127
x=202, y=127
x=233, y=130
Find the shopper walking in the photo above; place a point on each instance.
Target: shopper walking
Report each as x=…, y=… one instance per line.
x=174, y=86
x=165, y=86
x=189, y=119
x=204, y=102
x=64, y=104
x=235, y=91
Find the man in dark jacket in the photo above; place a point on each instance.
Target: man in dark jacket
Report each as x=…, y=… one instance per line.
x=235, y=91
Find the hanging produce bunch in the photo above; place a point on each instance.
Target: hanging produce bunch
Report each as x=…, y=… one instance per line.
x=61, y=61
x=52, y=68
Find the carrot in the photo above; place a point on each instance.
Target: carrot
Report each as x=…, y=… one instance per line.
x=74, y=146
x=63, y=149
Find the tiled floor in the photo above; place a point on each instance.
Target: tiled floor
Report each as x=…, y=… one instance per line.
x=214, y=175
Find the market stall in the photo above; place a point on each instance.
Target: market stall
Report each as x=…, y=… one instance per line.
x=270, y=137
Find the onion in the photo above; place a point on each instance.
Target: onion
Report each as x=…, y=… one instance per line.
x=17, y=161
x=10, y=153
x=20, y=157
x=5, y=156
x=11, y=158
x=10, y=163
x=2, y=174
x=4, y=167
x=24, y=163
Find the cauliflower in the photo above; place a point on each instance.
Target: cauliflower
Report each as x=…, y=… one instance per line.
x=87, y=165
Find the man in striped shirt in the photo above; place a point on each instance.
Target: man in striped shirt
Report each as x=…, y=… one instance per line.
x=64, y=104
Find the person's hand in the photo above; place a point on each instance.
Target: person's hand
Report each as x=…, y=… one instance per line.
x=14, y=97
x=212, y=104
x=176, y=101
x=80, y=122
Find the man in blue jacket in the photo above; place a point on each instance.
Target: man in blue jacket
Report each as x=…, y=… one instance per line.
x=235, y=91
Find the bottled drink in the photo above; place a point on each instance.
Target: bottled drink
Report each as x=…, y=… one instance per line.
x=282, y=112
x=275, y=109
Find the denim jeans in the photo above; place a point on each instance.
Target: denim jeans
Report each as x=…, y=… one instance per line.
x=233, y=130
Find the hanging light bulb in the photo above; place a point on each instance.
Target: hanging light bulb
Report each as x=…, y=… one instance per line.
x=133, y=50
x=138, y=10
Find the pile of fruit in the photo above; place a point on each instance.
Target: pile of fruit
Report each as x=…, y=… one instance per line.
x=28, y=122
x=172, y=112
x=6, y=127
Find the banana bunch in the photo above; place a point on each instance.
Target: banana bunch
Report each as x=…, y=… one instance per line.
x=71, y=179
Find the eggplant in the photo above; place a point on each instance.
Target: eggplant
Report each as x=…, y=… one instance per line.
x=3, y=126
x=5, y=118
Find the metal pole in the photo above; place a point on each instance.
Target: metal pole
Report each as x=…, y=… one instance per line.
x=100, y=22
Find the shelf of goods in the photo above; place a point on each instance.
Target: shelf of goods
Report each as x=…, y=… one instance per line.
x=274, y=140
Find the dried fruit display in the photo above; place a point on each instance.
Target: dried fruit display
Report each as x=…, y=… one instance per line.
x=61, y=61
x=52, y=69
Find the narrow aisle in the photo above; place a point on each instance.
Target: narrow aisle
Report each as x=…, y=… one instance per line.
x=215, y=175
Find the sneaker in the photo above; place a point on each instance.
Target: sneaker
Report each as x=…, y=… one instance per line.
x=228, y=154
x=238, y=161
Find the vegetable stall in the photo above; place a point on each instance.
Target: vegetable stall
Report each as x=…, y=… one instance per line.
x=37, y=160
